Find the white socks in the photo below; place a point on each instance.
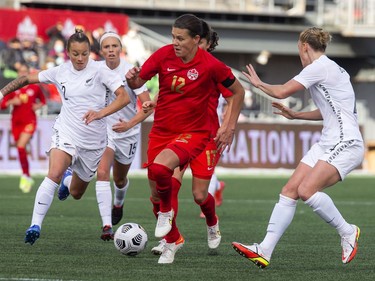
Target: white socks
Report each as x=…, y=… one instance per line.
x=120, y=194
x=281, y=217
x=43, y=200
x=283, y=213
x=67, y=181
x=104, y=199
x=323, y=205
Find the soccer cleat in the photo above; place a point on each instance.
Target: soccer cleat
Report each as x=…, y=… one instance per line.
x=107, y=233
x=219, y=194
x=349, y=245
x=63, y=191
x=32, y=234
x=158, y=250
x=213, y=236
x=164, y=224
x=170, y=249
x=26, y=183
x=253, y=253
x=117, y=213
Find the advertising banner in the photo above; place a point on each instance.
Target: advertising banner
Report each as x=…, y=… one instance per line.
x=30, y=23
x=256, y=145
x=263, y=145
x=37, y=148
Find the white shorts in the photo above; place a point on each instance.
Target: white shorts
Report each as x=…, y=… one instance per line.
x=84, y=161
x=124, y=148
x=345, y=156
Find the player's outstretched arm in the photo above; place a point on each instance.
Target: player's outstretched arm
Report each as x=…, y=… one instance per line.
x=133, y=79
x=122, y=99
x=123, y=126
x=281, y=91
x=18, y=83
x=290, y=114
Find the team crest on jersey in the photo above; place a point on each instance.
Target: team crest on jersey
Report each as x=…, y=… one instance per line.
x=192, y=74
x=30, y=92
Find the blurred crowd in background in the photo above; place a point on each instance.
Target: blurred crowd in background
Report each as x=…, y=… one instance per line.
x=41, y=54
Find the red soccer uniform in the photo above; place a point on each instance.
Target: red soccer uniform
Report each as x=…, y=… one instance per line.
x=203, y=166
x=181, y=120
x=184, y=89
x=23, y=115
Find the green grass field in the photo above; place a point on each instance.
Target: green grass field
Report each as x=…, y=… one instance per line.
x=70, y=248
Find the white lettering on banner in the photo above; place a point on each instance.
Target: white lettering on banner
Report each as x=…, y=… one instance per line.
x=37, y=148
x=269, y=147
x=287, y=146
x=263, y=148
x=273, y=147
x=242, y=153
x=254, y=135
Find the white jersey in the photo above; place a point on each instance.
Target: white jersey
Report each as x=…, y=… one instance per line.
x=220, y=108
x=332, y=92
x=127, y=112
x=80, y=92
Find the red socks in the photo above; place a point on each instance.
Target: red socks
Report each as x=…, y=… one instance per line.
x=22, y=155
x=208, y=209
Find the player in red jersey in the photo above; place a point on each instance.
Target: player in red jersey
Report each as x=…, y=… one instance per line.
x=181, y=128
x=24, y=102
x=203, y=166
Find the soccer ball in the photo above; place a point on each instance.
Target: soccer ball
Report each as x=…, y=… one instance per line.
x=130, y=239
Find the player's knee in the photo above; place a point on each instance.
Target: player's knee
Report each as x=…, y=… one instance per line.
x=289, y=191
x=120, y=181
x=199, y=197
x=160, y=173
x=102, y=174
x=76, y=194
x=54, y=176
x=304, y=193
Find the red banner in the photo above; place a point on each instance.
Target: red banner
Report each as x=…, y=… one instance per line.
x=30, y=23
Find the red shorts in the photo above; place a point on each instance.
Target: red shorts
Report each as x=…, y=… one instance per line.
x=187, y=146
x=18, y=129
x=204, y=165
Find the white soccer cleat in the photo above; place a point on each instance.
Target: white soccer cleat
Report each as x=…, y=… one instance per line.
x=158, y=250
x=170, y=250
x=213, y=236
x=164, y=224
x=349, y=245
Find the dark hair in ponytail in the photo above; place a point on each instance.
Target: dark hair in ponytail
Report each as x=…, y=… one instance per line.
x=210, y=35
x=79, y=36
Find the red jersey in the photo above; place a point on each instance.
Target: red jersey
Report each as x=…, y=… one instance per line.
x=24, y=112
x=185, y=89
